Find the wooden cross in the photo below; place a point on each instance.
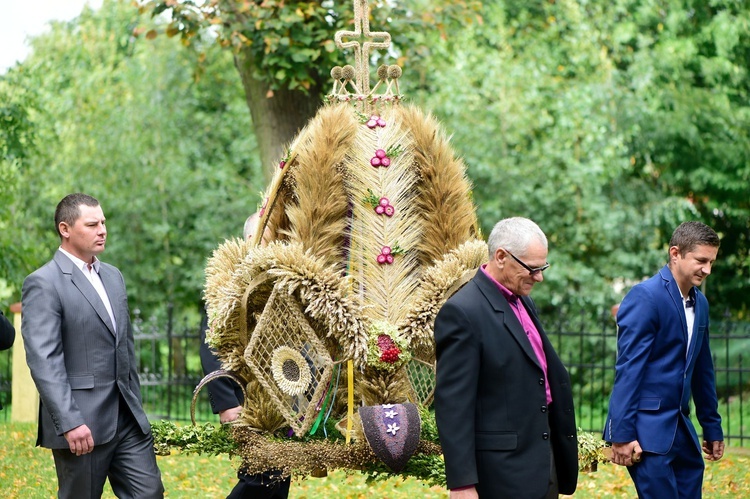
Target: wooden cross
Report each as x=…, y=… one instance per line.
x=374, y=40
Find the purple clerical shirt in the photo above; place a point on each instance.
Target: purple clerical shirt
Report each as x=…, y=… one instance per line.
x=528, y=325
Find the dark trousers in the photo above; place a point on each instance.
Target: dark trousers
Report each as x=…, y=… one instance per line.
x=128, y=461
x=553, y=491
x=266, y=485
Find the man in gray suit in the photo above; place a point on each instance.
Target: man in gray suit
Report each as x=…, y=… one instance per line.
x=79, y=348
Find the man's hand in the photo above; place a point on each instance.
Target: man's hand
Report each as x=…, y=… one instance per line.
x=467, y=493
x=229, y=415
x=626, y=453
x=80, y=440
x=714, y=450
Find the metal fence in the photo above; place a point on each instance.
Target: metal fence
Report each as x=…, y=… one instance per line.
x=170, y=369
x=169, y=366
x=588, y=350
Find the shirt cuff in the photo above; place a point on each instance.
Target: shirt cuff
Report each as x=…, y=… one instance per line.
x=465, y=487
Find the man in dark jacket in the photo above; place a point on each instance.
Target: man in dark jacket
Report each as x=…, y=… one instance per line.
x=7, y=336
x=503, y=401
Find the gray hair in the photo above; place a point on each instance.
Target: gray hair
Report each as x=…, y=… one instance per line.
x=515, y=235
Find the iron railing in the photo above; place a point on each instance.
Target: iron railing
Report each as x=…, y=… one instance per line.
x=170, y=369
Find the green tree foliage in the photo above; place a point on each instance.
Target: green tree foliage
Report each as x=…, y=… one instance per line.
x=166, y=149
x=608, y=122
x=586, y=117
x=284, y=50
x=685, y=67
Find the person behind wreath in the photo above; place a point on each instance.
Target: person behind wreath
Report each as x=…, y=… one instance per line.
x=226, y=400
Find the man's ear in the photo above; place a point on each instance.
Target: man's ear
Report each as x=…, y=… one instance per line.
x=64, y=229
x=500, y=255
x=674, y=252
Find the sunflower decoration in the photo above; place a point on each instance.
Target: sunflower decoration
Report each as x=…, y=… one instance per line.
x=290, y=371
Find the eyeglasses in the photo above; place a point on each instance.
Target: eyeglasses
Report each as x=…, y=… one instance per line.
x=532, y=271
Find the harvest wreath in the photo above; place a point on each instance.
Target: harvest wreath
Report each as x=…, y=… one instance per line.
x=368, y=227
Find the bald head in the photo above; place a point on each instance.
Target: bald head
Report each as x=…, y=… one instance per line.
x=250, y=226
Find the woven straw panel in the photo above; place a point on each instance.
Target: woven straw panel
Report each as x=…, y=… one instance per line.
x=290, y=361
x=421, y=376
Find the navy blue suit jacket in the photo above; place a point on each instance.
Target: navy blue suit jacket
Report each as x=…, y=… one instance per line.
x=656, y=373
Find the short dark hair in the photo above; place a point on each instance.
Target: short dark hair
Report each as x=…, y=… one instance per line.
x=68, y=209
x=691, y=234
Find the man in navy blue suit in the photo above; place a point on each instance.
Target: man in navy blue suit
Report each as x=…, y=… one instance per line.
x=663, y=357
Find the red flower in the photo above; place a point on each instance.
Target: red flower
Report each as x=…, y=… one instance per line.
x=391, y=355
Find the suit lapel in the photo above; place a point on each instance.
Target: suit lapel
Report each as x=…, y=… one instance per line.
x=674, y=294
x=505, y=314
x=111, y=282
x=699, y=324
x=83, y=285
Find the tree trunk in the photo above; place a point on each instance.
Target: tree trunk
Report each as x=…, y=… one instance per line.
x=277, y=116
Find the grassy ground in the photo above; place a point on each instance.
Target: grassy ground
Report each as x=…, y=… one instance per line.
x=27, y=472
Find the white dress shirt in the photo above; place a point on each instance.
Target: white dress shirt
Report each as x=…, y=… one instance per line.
x=92, y=274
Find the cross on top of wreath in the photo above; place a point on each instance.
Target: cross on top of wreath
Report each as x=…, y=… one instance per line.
x=362, y=40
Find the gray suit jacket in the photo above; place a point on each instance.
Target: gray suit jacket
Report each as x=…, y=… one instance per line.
x=81, y=367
